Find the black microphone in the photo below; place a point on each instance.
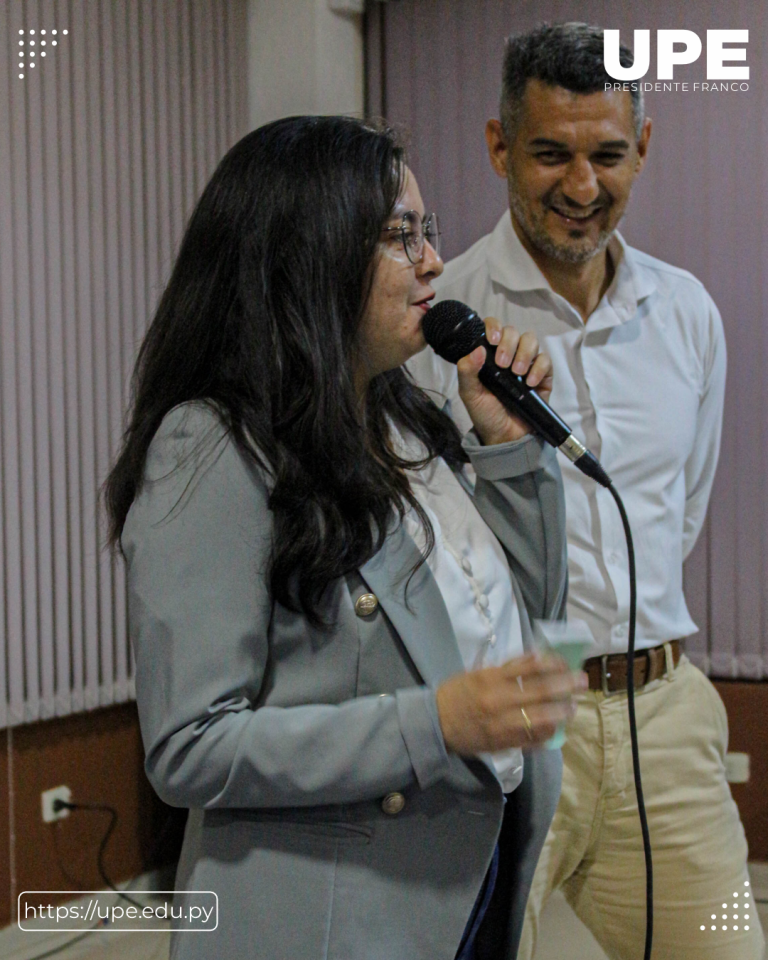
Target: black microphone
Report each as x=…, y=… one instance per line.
x=454, y=330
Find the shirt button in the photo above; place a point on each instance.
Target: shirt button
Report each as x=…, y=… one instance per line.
x=366, y=604
x=493, y=639
x=483, y=601
x=466, y=566
x=393, y=804
x=619, y=631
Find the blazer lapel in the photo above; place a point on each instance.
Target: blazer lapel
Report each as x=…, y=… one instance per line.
x=419, y=616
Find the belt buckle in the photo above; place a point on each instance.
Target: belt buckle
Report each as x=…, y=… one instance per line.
x=604, y=677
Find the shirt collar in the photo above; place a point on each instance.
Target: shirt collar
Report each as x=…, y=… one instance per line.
x=511, y=266
x=509, y=263
x=632, y=281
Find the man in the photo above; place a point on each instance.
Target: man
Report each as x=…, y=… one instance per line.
x=639, y=359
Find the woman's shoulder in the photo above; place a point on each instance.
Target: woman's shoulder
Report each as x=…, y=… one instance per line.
x=188, y=435
x=194, y=469
x=193, y=447
x=193, y=420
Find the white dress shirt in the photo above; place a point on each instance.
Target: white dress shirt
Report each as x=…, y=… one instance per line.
x=641, y=384
x=472, y=573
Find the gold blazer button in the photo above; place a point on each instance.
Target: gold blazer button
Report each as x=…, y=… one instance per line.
x=366, y=604
x=393, y=804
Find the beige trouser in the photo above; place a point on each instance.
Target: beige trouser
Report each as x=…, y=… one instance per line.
x=594, y=847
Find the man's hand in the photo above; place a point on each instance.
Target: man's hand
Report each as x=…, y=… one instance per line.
x=518, y=704
x=492, y=421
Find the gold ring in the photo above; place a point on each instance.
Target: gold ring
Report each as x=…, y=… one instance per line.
x=528, y=724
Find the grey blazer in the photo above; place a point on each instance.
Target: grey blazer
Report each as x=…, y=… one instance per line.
x=325, y=810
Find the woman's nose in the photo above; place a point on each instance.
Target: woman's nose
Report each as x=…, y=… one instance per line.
x=431, y=265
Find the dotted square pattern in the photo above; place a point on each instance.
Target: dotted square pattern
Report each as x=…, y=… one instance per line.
x=723, y=919
x=37, y=44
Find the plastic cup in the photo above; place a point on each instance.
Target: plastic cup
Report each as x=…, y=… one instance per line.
x=572, y=640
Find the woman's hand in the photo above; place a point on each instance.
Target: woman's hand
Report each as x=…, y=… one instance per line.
x=518, y=704
x=492, y=421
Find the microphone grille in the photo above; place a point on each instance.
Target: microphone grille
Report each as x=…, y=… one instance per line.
x=452, y=329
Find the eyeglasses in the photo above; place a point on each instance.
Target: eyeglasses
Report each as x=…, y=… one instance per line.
x=413, y=231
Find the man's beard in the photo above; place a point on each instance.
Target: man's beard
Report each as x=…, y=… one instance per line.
x=538, y=237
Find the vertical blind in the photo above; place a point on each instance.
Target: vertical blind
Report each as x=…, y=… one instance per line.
x=434, y=68
x=105, y=144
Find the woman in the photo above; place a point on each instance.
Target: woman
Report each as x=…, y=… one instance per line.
x=300, y=669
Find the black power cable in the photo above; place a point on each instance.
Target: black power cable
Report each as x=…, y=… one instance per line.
x=59, y=805
x=75, y=883
x=633, y=725
x=64, y=805
x=103, y=808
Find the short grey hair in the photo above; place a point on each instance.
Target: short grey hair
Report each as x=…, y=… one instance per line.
x=568, y=55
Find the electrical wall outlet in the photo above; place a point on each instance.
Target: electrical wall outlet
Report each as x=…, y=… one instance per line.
x=47, y=798
x=737, y=767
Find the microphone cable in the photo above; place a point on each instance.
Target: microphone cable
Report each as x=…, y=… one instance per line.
x=633, y=724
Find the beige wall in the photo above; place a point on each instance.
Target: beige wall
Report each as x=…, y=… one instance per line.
x=304, y=57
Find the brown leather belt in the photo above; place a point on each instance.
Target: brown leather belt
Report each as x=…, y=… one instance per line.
x=609, y=673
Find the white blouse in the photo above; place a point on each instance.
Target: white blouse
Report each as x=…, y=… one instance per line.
x=472, y=573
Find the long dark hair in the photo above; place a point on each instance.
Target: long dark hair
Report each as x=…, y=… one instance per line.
x=260, y=319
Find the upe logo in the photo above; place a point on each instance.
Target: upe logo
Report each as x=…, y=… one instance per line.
x=688, y=50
